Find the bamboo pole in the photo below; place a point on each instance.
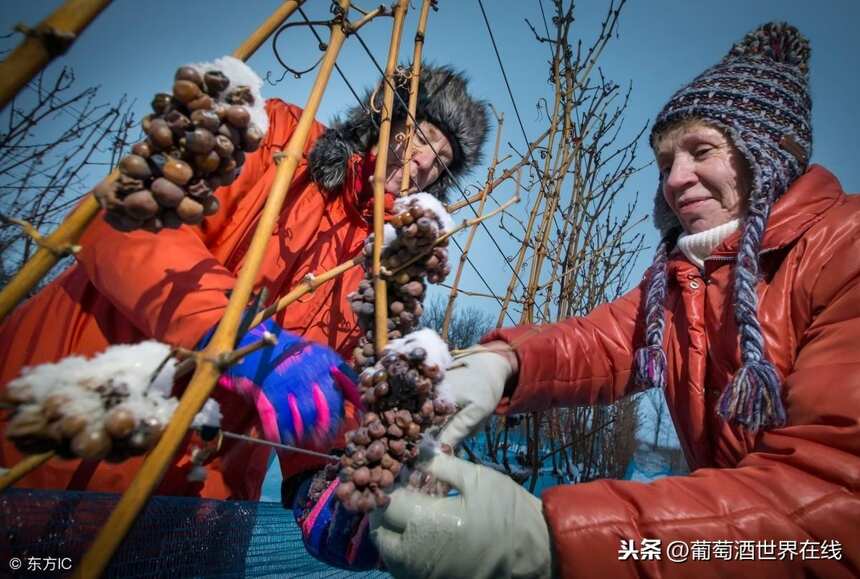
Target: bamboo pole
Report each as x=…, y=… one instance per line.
x=312, y=282
x=474, y=294
x=562, y=162
x=207, y=372
x=380, y=333
x=452, y=295
x=540, y=251
x=23, y=468
x=51, y=37
x=355, y=25
x=525, y=160
x=530, y=291
x=551, y=180
x=265, y=30
x=51, y=249
x=413, y=91
x=528, y=298
x=31, y=462
x=309, y=284
x=58, y=243
x=520, y=259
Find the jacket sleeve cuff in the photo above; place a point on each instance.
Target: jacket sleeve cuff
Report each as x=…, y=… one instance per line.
x=521, y=393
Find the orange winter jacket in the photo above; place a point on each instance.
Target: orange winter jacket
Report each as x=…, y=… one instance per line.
x=796, y=483
x=173, y=286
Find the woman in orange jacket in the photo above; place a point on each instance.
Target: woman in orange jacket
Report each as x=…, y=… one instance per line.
x=748, y=319
x=172, y=286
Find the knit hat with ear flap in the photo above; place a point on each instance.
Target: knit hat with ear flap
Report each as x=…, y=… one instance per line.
x=758, y=95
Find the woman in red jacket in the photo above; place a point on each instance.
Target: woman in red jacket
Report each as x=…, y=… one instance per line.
x=749, y=320
x=173, y=286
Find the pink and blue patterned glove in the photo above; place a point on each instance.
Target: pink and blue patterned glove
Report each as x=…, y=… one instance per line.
x=331, y=533
x=298, y=387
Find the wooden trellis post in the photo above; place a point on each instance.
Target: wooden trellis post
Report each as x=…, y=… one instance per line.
x=380, y=332
x=452, y=296
x=49, y=39
x=413, y=89
x=207, y=371
x=62, y=240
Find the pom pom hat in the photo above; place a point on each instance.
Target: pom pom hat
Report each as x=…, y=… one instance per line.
x=758, y=96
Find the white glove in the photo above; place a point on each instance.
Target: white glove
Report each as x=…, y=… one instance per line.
x=476, y=382
x=493, y=528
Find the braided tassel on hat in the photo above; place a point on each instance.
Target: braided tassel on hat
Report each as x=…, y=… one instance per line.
x=650, y=360
x=758, y=96
x=753, y=398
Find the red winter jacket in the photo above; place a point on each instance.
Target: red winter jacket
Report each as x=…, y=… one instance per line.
x=795, y=483
x=172, y=286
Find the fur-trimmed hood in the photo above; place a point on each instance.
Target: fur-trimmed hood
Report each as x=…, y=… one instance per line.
x=443, y=100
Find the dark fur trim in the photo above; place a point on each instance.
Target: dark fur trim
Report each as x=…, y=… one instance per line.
x=443, y=100
x=327, y=160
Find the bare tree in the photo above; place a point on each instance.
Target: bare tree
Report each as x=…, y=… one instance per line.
x=56, y=142
x=578, y=245
x=467, y=324
x=660, y=412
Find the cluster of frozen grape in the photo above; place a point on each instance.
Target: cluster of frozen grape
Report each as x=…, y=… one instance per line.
x=111, y=406
x=408, y=268
x=93, y=421
x=399, y=389
x=196, y=141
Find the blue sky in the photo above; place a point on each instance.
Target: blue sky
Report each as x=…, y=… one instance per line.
x=134, y=47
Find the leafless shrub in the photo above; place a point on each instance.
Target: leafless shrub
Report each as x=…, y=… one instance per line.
x=56, y=142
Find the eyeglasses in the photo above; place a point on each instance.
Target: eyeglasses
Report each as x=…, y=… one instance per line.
x=419, y=145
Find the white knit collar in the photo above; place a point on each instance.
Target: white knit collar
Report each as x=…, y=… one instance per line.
x=698, y=246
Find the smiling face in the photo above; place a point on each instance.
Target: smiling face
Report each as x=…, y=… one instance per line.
x=706, y=181
x=424, y=166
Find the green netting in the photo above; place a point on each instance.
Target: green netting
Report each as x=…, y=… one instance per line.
x=174, y=537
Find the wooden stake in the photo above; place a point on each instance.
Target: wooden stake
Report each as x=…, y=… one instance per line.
x=24, y=467
x=73, y=227
x=452, y=296
x=413, y=91
x=309, y=284
x=380, y=334
x=206, y=374
x=51, y=38
x=259, y=36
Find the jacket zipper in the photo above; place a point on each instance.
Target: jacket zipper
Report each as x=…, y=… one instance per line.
x=733, y=258
x=706, y=278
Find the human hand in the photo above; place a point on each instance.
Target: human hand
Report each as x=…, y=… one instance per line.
x=297, y=386
x=333, y=534
x=493, y=528
x=476, y=382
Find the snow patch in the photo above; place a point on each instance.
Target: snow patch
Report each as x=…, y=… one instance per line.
x=426, y=201
x=209, y=415
x=433, y=344
x=128, y=368
x=389, y=234
x=240, y=74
